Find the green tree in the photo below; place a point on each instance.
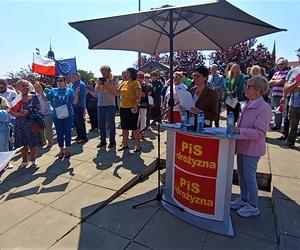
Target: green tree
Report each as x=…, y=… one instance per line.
x=85, y=75
x=246, y=54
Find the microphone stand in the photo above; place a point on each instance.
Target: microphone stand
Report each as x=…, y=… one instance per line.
x=159, y=194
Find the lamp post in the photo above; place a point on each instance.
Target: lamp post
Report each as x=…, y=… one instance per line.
x=139, y=53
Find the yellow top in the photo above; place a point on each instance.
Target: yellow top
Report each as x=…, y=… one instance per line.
x=105, y=88
x=3, y=103
x=128, y=95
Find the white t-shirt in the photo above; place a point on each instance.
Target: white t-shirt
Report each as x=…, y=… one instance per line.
x=9, y=95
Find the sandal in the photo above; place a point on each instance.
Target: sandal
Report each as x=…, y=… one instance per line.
x=67, y=154
x=61, y=155
x=136, y=150
x=122, y=147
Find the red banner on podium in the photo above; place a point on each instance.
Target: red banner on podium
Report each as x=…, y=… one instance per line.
x=194, y=192
x=197, y=155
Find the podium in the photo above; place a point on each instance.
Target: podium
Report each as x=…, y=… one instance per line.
x=199, y=178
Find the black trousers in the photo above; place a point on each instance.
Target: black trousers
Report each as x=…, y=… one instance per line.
x=236, y=111
x=80, y=123
x=93, y=117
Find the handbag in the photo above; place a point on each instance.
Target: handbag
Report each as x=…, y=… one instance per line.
x=62, y=112
x=232, y=102
x=150, y=100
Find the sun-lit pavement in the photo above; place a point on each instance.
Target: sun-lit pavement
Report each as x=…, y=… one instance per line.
x=40, y=206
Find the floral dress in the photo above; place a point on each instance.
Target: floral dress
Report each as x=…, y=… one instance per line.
x=23, y=134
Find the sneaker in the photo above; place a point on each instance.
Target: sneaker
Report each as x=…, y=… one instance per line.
x=237, y=203
x=248, y=211
x=23, y=164
x=33, y=164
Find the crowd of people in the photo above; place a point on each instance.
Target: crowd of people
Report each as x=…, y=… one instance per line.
x=140, y=97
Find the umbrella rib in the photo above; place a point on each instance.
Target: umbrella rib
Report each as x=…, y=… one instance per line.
x=120, y=32
x=145, y=26
x=190, y=26
x=161, y=27
x=202, y=33
x=237, y=20
x=177, y=19
x=163, y=32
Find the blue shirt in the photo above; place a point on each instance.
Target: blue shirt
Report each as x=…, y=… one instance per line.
x=59, y=97
x=81, y=95
x=216, y=82
x=295, y=97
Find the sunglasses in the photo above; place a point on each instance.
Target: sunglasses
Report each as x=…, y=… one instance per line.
x=60, y=80
x=250, y=86
x=197, y=75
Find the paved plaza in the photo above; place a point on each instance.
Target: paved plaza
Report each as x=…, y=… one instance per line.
x=42, y=208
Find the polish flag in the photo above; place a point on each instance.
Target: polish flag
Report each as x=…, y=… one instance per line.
x=43, y=65
x=16, y=103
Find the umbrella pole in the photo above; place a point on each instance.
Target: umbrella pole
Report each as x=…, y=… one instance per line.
x=171, y=36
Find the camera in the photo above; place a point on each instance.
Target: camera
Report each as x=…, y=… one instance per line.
x=102, y=80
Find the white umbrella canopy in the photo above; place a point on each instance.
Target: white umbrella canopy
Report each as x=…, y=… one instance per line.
x=211, y=25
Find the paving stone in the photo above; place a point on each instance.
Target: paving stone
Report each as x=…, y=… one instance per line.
x=288, y=243
x=120, y=218
x=14, y=211
x=286, y=188
x=87, y=236
x=287, y=168
x=32, y=176
x=113, y=178
x=83, y=172
x=165, y=231
x=240, y=241
x=38, y=231
x=136, y=246
x=59, y=167
x=85, y=195
x=287, y=217
x=48, y=191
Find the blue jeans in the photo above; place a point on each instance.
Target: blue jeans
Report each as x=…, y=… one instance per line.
x=246, y=167
x=107, y=113
x=80, y=123
x=278, y=117
x=63, y=129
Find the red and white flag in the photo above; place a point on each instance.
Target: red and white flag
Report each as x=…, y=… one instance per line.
x=43, y=65
x=16, y=103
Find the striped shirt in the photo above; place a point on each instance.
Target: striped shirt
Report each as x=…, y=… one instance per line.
x=295, y=97
x=278, y=89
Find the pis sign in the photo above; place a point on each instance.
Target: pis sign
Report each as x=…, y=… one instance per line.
x=195, y=172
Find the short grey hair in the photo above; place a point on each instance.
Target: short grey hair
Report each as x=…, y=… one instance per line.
x=261, y=84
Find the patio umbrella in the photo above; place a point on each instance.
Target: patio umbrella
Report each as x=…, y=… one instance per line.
x=211, y=25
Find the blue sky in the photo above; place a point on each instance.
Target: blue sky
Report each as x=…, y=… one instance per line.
x=26, y=25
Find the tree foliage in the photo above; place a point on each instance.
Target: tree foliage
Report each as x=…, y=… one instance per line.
x=85, y=75
x=183, y=60
x=245, y=54
x=26, y=74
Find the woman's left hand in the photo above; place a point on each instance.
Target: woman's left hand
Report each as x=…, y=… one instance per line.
x=134, y=109
x=194, y=110
x=236, y=129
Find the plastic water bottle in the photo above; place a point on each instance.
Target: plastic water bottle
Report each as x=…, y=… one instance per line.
x=230, y=124
x=184, y=120
x=200, y=122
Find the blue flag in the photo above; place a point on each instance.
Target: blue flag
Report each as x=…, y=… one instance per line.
x=66, y=67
